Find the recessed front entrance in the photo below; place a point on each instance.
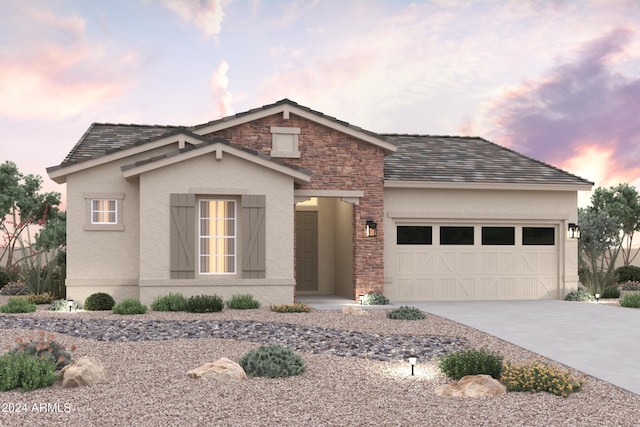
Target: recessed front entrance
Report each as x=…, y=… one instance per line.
x=307, y=251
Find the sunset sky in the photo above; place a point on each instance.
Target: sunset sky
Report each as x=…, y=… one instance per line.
x=555, y=80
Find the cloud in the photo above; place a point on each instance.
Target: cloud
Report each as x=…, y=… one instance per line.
x=219, y=83
x=206, y=15
x=583, y=109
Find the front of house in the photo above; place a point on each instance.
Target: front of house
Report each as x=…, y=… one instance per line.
x=283, y=200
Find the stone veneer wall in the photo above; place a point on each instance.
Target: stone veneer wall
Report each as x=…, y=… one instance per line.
x=338, y=162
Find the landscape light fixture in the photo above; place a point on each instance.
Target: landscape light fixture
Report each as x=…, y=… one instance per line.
x=361, y=298
x=412, y=362
x=597, y=297
x=70, y=304
x=573, y=231
x=371, y=228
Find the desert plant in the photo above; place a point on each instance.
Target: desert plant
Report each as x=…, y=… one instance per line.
x=18, y=305
x=628, y=273
x=44, y=347
x=204, y=304
x=580, y=294
x=18, y=370
x=406, y=313
x=630, y=300
x=169, y=302
x=15, y=288
x=457, y=364
x=45, y=298
x=242, y=302
x=129, y=306
x=290, y=308
x=272, y=361
x=610, y=292
x=539, y=376
x=375, y=298
x=630, y=286
x=62, y=305
x=99, y=302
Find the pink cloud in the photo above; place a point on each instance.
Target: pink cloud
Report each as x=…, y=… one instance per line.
x=206, y=15
x=219, y=84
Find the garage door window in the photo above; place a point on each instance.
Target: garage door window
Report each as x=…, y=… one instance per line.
x=538, y=236
x=414, y=235
x=456, y=235
x=498, y=235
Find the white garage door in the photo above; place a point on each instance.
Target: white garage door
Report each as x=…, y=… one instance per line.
x=475, y=262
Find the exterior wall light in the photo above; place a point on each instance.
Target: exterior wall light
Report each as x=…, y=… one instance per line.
x=70, y=304
x=573, y=231
x=371, y=228
x=412, y=361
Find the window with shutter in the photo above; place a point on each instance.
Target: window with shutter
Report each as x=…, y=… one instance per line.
x=253, y=236
x=182, y=236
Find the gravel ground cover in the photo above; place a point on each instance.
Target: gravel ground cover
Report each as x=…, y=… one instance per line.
x=149, y=387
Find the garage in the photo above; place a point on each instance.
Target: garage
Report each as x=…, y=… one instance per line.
x=483, y=261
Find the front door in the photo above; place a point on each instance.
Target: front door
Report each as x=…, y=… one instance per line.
x=307, y=251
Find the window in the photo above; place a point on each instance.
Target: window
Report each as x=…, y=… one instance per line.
x=414, y=235
x=104, y=211
x=498, y=236
x=538, y=236
x=456, y=235
x=217, y=236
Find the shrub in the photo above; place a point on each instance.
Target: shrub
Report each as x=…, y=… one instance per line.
x=610, y=292
x=457, y=364
x=406, y=313
x=99, y=302
x=375, y=298
x=630, y=300
x=580, y=295
x=242, y=302
x=272, y=361
x=18, y=305
x=4, y=278
x=14, y=288
x=204, y=304
x=539, y=376
x=628, y=273
x=62, y=305
x=290, y=308
x=170, y=302
x=129, y=306
x=25, y=372
x=630, y=286
x=37, y=299
x=44, y=347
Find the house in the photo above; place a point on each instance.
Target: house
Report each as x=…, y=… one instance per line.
x=283, y=200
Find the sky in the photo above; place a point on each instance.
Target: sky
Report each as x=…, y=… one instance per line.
x=556, y=80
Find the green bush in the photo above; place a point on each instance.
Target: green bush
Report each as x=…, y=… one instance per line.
x=18, y=305
x=45, y=298
x=99, y=302
x=581, y=295
x=610, y=292
x=170, y=302
x=4, y=278
x=406, y=313
x=44, y=347
x=14, y=288
x=628, y=273
x=242, y=302
x=129, y=306
x=630, y=300
x=458, y=364
x=375, y=298
x=290, y=308
x=25, y=372
x=62, y=305
x=272, y=361
x=204, y=304
x=539, y=376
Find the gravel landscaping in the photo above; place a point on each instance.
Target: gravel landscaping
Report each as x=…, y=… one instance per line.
x=357, y=374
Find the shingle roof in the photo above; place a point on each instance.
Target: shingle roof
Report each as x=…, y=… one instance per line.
x=451, y=159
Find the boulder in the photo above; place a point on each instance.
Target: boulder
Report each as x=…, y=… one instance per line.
x=354, y=311
x=86, y=371
x=472, y=386
x=222, y=369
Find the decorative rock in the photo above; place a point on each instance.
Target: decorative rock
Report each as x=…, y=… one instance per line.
x=354, y=311
x=86, y=371
x=472, y=386
x=222, y=369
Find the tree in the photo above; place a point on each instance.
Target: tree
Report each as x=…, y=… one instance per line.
x=22, y=206
x=598, y=248
x=622, y=203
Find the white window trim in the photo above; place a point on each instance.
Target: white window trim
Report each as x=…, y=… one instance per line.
x=277, y=131
x=235, y=237
x=92, y=226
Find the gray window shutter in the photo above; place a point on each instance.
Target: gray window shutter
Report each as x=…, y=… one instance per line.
x=253, y=237
x=183, y=236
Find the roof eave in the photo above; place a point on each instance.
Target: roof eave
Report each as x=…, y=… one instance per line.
x=489, y=186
